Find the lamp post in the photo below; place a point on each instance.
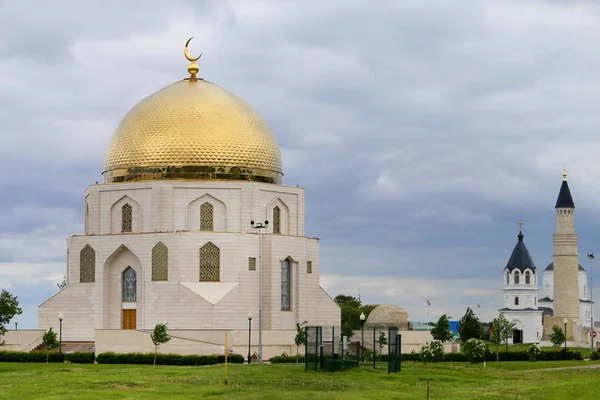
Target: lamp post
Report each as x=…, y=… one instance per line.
x=362, y=340
x=259, y=226
x=249, y=334
x=428, y=307
x=565, y=322
x=60, y=318
x=591, y=257
x=16, y=324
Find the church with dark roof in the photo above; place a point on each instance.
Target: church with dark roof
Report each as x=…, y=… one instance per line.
x=564, y=287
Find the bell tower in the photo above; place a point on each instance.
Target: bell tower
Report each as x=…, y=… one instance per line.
x=566, y=286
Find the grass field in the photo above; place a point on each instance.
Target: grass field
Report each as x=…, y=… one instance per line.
x=505, y=380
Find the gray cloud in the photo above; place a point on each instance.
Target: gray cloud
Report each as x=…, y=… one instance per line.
x=421, y=133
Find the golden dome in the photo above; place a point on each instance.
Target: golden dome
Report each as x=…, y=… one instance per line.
x=192, y=129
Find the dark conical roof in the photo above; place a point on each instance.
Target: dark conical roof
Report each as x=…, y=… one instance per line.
x=520, y=258
x=564, y=196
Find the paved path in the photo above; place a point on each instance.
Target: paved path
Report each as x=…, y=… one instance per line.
x=593, y=366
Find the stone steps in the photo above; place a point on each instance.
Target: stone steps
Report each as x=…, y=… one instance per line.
x=69, y=347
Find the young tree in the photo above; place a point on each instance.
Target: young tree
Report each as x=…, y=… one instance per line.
x=50, y=341
x=159, y=336
x=469, y=326
x=557, y=337
x=382, y=340
x=9, y=307
x=300, y=338
x=441, y=331
x=508, y=330
x=62, y=284
x=502, y=330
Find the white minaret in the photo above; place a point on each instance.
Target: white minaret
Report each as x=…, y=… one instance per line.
x=566, y=286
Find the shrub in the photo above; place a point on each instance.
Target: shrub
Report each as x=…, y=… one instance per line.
x=455, y=357
x=594, y=355
x=432, y=351
x=475, y=350
x=34, y=356
x=534, y=352
x=286, y=359
x=80, y=357
x=167, y=359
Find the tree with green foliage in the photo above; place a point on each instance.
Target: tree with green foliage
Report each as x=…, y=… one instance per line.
x=469, y=326
x=300, y=339
x=557, y=337
x=9, y=307
x=159, y=336
x=502, y=330
x=351, y=308
x=50, y=341
x=441, y=331
x=382, y=340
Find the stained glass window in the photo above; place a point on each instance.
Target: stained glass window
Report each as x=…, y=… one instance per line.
x=129, y=285
x=285, y=285
x=276, y=220
x=252, y=263
x=126, y=218
x=206, y=217
x=309, y=267
x=87, y=264
x=160, y=262
x=210, y=263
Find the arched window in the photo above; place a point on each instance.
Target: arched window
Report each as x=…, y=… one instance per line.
x=276, y=219
x=286, y=285
x=527, y=278
x=206, y=217
x=129, y=285
x=126, y=218
x=87, y=264
x=516, y=277
x=210, y=263
x=507, y=277
x=160, y=262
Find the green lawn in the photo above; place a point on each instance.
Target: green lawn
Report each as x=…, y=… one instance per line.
x=505, y=380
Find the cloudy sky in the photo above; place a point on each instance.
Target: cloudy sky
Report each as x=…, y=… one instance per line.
x=421, y=130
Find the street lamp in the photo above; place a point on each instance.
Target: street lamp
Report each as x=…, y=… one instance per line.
x=16, y=324
x=259, y=226
x=362, y=340
x=565, y=322
x=428, y=307
x=591, y=257
x=249, y=334
x=408, y=323
x=60, y=318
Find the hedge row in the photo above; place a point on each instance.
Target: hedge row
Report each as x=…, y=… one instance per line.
x=40, y=356
x=166, y=359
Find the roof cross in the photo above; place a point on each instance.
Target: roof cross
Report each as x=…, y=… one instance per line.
x=520, y=225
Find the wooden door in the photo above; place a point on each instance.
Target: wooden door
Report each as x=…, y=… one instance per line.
x=129, y=319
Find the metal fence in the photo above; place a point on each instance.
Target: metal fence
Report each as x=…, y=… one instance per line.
x=393, y=349
x=312, y=350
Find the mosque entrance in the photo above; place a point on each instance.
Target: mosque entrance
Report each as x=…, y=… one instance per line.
x=517, y=336
x=129, y=319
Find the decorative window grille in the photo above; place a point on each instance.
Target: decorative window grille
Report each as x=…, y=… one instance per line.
x=285, y=285
x=210, y=263
x=276, y=220
x=516, y=277
x=309, y=267
x=206, y=217
x=160, y=262
x=126, y=218
x=87, y=264
x=129, y=285
x=252, y=263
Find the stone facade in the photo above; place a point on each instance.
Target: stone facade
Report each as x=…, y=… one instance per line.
x=566, y=278
x=124, y=224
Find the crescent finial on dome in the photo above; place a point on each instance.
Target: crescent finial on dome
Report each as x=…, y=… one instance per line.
x=193, y=67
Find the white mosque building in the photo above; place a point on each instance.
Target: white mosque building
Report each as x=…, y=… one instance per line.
x=168, y=236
